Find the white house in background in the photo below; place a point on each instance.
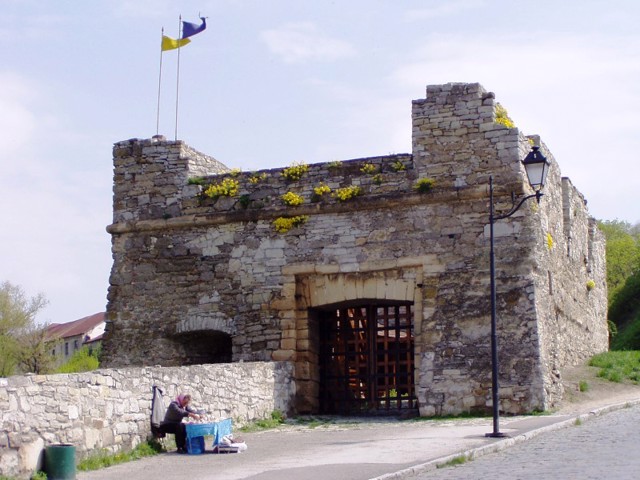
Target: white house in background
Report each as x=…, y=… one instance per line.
x=66, y=338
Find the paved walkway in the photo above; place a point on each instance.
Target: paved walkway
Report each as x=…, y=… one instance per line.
x=380, y=450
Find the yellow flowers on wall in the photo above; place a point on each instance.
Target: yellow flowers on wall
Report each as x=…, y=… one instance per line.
x=284, y=224
x=295, y=171
x=368, y=168
x=257, y=177
x=502, y=117
x=292, y=199
x=549, y=241
x=321, y=189
x=227, y=188
x=346, y=193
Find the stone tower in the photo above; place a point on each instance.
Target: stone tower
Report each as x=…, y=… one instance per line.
x=376, y=292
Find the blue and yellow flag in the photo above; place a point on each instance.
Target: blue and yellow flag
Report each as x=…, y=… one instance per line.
x=169, y=43
x=189, y=29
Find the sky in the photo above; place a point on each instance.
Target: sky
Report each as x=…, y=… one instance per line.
x=271, y=83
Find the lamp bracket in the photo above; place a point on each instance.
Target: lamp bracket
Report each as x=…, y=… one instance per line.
x=515, y=208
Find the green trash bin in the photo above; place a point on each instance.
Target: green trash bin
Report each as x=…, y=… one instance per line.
x=60, y=462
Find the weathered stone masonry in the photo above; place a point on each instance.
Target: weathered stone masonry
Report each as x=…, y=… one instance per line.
x=109, y=409
x=211, y=280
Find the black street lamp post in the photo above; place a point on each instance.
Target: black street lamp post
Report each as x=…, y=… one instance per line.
x=537, y=167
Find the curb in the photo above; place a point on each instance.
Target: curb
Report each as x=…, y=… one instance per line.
x=505, y=443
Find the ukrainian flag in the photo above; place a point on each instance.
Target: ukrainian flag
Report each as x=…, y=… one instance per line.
x=189, y=29
x=169, y=43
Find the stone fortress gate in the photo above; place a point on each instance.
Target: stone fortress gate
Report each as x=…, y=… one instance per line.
x=375, y=289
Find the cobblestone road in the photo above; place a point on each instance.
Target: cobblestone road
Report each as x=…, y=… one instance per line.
x=605, y=447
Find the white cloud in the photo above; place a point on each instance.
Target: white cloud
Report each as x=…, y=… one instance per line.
x=579, y=92
x=53, y=236
x=17, y=122
x=144, y=8
x=365, y=127
x=297, y=42
x=445, y=9
x=15, y=30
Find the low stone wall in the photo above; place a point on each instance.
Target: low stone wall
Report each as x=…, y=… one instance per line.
x=110, y=409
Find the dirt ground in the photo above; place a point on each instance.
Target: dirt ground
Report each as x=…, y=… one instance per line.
x=600, y=392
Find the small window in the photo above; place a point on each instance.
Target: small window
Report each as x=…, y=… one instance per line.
x=66, y=348
x=75, y=344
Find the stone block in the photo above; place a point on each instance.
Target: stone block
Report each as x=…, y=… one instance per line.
x=31, y=455
x=283, y=355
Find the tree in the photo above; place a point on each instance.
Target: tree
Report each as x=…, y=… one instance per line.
x=622, y=252
x=33, y=352
x=17, y=320
x=623, y=282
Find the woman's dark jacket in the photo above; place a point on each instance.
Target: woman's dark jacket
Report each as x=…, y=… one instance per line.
x=175, y=413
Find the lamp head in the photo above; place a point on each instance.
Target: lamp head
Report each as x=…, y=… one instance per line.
x=537, y=168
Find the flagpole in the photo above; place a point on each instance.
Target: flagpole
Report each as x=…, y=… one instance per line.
x=159, y=83
x=178, y=77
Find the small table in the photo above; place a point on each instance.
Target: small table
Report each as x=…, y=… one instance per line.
x=197, y=431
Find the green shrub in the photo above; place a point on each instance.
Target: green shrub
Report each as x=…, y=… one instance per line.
x=398, y=166
x=424, y=185
x=624, y=303
x=627, y=337
x=196, y=181
x=276, y=419
x=83, y=360
x=245, y=201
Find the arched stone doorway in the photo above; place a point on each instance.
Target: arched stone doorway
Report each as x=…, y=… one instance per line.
x=205, y=338
x=366, y=358
x=205, y=347
x=352, y=336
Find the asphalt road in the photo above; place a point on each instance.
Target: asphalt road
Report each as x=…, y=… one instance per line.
x=605, y=447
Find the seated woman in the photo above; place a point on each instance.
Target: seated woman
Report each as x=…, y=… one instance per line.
x=172, y=423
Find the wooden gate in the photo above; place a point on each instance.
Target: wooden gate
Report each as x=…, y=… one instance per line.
x=366, y=360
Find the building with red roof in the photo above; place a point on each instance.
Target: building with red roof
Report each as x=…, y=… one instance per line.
x=66, y=338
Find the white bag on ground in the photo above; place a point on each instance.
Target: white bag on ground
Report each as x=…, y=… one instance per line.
x=228, y=444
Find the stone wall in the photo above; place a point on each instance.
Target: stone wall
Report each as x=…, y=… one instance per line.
x=109, y=409
x=218, y=265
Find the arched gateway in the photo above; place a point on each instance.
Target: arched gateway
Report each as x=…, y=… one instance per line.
x=366, y=358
